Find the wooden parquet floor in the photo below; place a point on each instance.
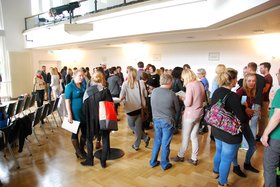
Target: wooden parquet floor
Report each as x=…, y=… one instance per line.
x=54, y=164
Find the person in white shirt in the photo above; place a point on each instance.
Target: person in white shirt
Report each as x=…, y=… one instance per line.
x=55, y=83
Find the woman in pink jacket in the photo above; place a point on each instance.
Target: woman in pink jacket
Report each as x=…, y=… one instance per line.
x=193, y=100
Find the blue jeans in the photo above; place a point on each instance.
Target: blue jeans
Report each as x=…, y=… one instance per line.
x=254, y=124
x=255, y=118
x=222, y=160
x=162, y=138
x=248, y=135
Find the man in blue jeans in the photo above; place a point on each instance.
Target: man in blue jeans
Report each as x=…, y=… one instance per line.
x=165, y=105
x=271, y=141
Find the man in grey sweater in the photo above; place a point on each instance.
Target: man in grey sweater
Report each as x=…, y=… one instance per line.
x=164, y=104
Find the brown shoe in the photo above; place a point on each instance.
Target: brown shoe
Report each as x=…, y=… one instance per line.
x=193, y=162
x=215, y=175
x=178, y=159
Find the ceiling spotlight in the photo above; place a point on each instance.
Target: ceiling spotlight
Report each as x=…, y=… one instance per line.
x=68, y=7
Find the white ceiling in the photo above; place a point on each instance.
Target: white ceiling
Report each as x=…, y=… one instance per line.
x=264, y=19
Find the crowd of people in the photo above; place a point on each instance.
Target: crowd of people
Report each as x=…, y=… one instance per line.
x=175, y=99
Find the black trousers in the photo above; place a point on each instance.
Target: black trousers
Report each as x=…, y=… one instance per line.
x=116, y=105
x=105, y=146
x=40, y=97
x=82, y=128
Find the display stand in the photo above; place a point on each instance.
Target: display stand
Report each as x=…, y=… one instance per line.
x=113, y=154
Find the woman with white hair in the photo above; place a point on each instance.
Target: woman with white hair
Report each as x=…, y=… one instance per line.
x=201, y=74
x=39, y=87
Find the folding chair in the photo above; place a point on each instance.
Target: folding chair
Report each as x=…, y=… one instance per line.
x=6, y=132
x=31, y=116
x=32, y=100
x=3, y=110
x=19, y=106
x=37, y=118
x=55, y=110
x=11, y=110
x=51, y=105
x=43, y=116
x=26, y=104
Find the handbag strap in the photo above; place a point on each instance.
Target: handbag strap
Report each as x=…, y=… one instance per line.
x=140, y=93
x=225, y=98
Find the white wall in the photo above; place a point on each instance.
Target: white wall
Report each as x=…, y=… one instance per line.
x=233, y=53
x=21, y=73
x=21, y=64
x=14, y=12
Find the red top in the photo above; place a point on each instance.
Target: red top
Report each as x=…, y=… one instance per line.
x=250, y=100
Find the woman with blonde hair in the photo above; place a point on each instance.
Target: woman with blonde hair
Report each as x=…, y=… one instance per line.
x=221, y=68
x=193, y=101
x=74, y=92
x=55, y=83
x=226, y=144
x=203, y=125
x=133, y=93
x=249, y=91
x=93, y=94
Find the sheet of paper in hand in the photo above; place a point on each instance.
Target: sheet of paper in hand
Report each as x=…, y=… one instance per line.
x=72, y=127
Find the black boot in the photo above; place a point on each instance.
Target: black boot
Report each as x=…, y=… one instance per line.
x=237, y=171
x=82, y=146
x=250, y=168
x=89, y=158
x=103, y=163
x=77, y=149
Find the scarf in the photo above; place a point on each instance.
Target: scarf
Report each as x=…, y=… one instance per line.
x=39, y=76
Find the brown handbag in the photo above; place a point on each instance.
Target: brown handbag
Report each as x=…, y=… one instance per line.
x=144, y=110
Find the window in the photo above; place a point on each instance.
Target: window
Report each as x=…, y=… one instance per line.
x=35, y=7
x=1, y=18
x=46, y=6
x=5, y=85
